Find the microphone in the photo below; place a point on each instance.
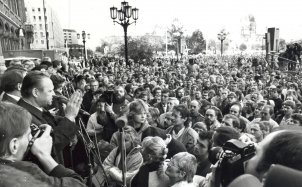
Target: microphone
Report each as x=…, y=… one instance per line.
x=65, y=100
x=121, y=122
x=245, y=180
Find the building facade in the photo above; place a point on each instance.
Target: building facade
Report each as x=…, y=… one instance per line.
x=12, y=18
x=48, y=32
x=70, y=36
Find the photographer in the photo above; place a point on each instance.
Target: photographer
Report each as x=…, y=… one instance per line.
x=16, y=140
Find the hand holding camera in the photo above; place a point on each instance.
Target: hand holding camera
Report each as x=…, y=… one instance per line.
x=43, y=144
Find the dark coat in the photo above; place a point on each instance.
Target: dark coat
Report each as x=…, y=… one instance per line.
x=64, y=130
x=160, y=107
x=7, y=98
x=20, y=173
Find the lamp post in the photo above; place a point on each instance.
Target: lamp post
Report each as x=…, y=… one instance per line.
x=221, y=36
x=84, y=44
x=124, y=14
x=177, y=36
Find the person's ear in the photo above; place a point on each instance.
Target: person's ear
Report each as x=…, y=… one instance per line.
x=182, y=174
x=13, y=146
x=19, y=85
x=35, y=92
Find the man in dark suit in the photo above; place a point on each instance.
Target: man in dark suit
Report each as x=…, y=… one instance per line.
x=162, y=106
x=37, y=92
x=11, y=84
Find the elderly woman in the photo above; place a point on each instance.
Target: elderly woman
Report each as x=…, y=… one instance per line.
x=154, y=152
x=113, y=163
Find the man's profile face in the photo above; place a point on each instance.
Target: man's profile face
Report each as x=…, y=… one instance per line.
x=252, y=165
x=201, y=148
x=45, y=92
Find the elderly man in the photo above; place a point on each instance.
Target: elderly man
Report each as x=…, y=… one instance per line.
x=37, y=91
x=181, y=170
x=15, y=125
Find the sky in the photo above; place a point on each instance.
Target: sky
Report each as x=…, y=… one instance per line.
x=209, y=16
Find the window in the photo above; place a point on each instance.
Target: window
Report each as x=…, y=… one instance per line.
x=34, y=18
x=36, y=34
x=35, y=27
x=33, y=10
x=42, y=41
x=45, y=18
x=41, y=34
x=40, y=18
x=39, y=9
x=40, y=26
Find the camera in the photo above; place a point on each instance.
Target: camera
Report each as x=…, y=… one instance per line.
x=108, y=96
x=36, y=131
x=231, y=161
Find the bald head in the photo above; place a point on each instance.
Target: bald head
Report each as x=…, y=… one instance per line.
x=194, y=106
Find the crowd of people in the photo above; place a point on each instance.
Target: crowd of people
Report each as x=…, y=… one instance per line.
x=153, y=123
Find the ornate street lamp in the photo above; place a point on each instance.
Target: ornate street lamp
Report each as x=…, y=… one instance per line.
x=123, y=15
x=221, y=36
x=84, y=43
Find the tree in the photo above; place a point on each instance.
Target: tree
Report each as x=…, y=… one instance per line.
x=141, y=48
x=242, y=47
x=102, y=47
x=175, y=33
x=196, y=42
x=212, y=45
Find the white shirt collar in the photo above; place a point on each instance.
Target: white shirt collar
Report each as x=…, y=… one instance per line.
x=14, y=96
